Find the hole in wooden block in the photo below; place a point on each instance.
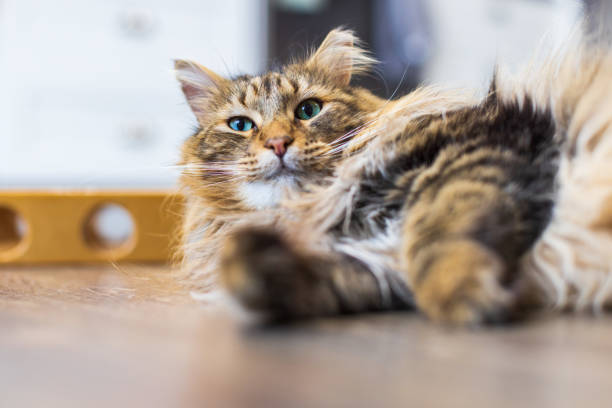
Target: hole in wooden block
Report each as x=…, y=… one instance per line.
x=109, y=227
x=13, y=229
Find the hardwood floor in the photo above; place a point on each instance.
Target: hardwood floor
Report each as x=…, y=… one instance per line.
x=129, y=336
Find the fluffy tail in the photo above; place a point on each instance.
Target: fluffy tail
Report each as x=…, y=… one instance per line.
x=572, y=261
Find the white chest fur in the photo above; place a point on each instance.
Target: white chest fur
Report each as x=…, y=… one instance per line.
x=260, y=195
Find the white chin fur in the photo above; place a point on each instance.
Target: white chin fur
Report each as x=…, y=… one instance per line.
x=260, y=195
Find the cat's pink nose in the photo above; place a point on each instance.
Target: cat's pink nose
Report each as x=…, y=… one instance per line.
x=279, y=144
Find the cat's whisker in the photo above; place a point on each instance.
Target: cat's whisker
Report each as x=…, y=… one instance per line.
x=356, y=140
x=211, y=164
x=217, y=180
x=399, y=84
x=341, y=143
x=352, y=132
x=212, y=168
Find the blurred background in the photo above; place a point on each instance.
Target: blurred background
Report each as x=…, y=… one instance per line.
x=88, y=98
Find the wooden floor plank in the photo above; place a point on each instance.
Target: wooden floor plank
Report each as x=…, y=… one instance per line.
x=130, y=336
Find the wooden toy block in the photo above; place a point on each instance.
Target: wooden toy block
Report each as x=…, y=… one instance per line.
x=52, y=227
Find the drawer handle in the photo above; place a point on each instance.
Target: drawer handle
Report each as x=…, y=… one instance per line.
x=137, y=22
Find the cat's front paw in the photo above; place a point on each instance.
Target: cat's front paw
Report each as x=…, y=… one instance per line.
x=461, y=284
x=262, y=272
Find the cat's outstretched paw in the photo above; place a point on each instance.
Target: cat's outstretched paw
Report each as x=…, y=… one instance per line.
x=265, y=274
x=462, y=286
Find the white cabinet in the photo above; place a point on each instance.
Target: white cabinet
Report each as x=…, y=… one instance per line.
x=87, y=94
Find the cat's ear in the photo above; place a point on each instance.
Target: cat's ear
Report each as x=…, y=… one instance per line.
x=340, y=55
x=198, y=84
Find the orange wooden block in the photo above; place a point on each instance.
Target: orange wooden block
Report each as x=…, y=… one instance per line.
x=46, y=226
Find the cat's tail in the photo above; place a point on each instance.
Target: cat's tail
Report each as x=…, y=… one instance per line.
x=572, y=260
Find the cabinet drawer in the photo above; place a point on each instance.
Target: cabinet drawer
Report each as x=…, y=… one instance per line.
x=108, y=44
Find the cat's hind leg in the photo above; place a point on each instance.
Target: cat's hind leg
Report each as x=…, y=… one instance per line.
x=459, y=253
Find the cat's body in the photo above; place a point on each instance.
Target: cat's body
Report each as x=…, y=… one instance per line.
x=325, y=199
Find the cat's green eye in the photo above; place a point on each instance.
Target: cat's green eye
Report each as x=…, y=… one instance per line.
x=308, y=109
x=241, y=123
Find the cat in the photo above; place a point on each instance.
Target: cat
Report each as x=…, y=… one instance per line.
x=307, y=196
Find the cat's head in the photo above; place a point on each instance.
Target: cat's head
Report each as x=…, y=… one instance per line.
x=262, y=135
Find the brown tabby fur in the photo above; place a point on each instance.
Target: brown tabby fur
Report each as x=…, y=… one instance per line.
x=435, y=199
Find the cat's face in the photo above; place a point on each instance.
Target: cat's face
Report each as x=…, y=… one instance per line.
x=262, y=135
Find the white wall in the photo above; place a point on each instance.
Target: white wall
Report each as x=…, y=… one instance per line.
x=471, y=36
x=87, y=96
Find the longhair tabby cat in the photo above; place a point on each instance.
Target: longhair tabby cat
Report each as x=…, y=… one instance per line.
x=306, y=196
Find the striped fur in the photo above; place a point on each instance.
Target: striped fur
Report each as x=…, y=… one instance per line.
x=464, y=208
